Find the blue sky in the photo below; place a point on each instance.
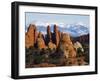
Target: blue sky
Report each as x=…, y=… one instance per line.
x=56, y=18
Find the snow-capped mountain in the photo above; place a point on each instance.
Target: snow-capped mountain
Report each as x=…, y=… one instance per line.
x=74, y=30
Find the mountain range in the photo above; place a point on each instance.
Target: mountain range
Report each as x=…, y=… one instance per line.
x=75, y=30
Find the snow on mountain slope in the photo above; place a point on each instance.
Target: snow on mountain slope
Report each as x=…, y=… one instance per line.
x=73, y=29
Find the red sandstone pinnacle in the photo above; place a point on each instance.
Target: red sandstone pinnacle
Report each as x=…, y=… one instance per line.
x=57, y=35
x=40, y=41
x=30, y=36
x=67, y=46
x=49, y=33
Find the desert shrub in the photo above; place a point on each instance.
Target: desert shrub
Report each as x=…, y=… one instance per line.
x=56, y=58
x=79, y=52
x=29, y=59
x=28, y=55
x=86, y=52
x=38, y=58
